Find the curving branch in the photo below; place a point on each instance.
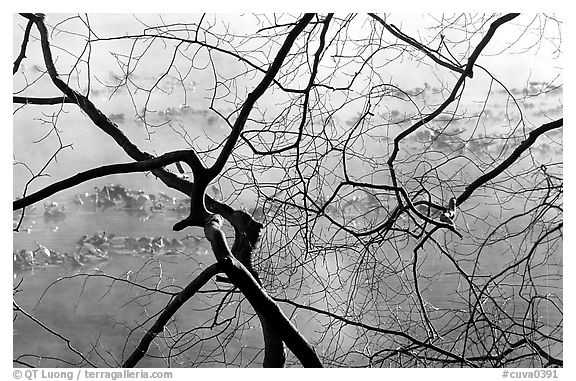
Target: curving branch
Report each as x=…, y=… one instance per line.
x=23, y=47
x=256, y=94
x=246, y=240
x=341, y=227
x=515, y=155
x=306, y=91
x=261, y=302
x=99, y=118
x=200, y=201
x=476, y=53
x=141, y=166
x=467, y=73
x=202, y=177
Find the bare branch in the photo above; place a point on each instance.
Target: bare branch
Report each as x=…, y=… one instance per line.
x=42, y=101
x=514, y=156
x=193, y=287
x=257, y=296
x=140, y=166
x=257, y=93
x=25, y=40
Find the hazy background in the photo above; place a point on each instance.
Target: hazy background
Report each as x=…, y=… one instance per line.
x=92, y=148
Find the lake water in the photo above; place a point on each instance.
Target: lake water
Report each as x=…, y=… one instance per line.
x=98, y=306
x=97, y=313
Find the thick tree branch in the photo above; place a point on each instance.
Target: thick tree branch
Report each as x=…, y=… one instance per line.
x=169, y=311
x=467, y=73
x=246, y=240
x=476, y=53
x=305, y=102
x=515, y=155
x=335, y=232
x=256, y=94
x=537, y=348
x=257, y=296
x=25, y=40
x=198, y=215
x=42, y=101
x=97, y=117
x=195, y=191
x=140, y=166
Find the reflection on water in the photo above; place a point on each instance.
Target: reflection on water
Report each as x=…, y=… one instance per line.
x=104, y=236
x=126, y=234
x=112, y=231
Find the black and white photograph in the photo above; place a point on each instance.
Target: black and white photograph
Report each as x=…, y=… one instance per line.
x=287, y=190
